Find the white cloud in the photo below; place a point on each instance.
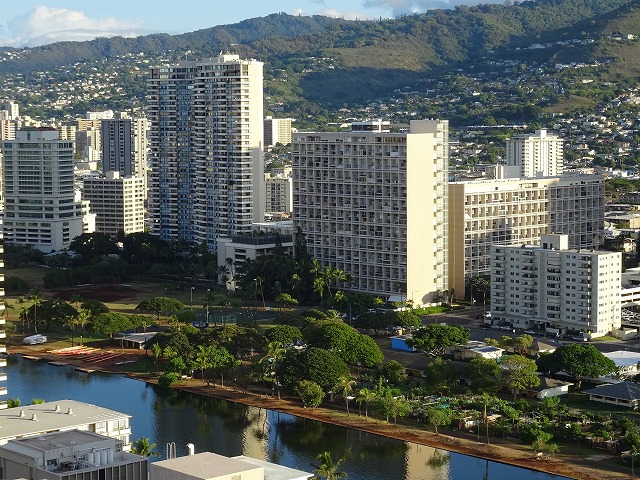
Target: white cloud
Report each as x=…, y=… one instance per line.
x=44, y=25
x=298, y=11
x=403, y=7
x=332, y=12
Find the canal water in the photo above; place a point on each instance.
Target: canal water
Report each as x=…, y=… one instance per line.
x=227, y=428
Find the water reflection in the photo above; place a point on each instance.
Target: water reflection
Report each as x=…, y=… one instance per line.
x=232, y=429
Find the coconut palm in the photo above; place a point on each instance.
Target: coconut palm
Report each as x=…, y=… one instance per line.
x=327, y=469
x=365, y=396
x=144, y=448
x=344, y=388
x=36, y=300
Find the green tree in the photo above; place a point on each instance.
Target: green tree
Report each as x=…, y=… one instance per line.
x=394, y=372
x=344, y=388
x=484, y=375
x=367, y=397
x=110, y=323
x=13, y=402
x=519, y=373
x=158, y=305
x=316, y=364
x=434, y=338
x=284, y=334
x=327, y=469
x=437, y=417
x=37, y=401
x=144, y=448
x=310, y=393
x=286, y=300
x=93, y=245
x=441, y=375
x=578, y=360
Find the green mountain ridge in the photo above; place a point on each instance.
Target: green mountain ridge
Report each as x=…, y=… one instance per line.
x=328, y=61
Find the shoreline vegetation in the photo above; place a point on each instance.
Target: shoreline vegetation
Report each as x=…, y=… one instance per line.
x=572, y=466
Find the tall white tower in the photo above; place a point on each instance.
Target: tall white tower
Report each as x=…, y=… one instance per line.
x=206, y=172
x=40, y=204
x=537, y=155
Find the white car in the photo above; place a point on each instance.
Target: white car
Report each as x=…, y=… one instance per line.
x=34, y=339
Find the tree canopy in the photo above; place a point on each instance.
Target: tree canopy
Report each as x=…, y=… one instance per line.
x=434, y=338
x=316, y=364
x=519, y=373
x=578, y=360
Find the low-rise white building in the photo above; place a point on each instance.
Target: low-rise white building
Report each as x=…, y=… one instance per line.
x=30, y=420
x=552, y=288
x=70, y=455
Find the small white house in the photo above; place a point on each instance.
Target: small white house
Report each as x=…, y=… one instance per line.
x=473, y=349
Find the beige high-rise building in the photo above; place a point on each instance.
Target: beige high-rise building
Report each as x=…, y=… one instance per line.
x=503, y=212
x=206, y=176
x=373, y=204
x=554, y=289
x=117, y=202
x=537, y=155
x=3, y=335
x=277, y=130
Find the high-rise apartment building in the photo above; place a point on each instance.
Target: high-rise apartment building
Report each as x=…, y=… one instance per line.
x=277, y=130
x=117, y=202
x=206, y=174
x=537, y=155
x=373, y=204
x=554, y=289
x=279, y=198
x=40, y=205
x=124, y=146
x=503, y=212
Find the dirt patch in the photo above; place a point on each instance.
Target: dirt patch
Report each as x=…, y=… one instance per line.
x=103, y=293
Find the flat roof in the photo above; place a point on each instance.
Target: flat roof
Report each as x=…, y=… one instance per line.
x=623, y=358
x=52, y=416
x=203, y=466
x=273, y=471
x=56, y=440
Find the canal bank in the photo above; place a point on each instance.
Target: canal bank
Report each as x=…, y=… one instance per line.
x=597, y=466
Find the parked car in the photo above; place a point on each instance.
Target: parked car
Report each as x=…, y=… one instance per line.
x=579, y=338
x=34, y=339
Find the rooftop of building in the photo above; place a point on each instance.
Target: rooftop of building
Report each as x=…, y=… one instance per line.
x=57, y=440
x=62, y=414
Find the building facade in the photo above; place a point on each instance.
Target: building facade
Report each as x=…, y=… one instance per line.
x=40, y=204
x=279, y=197
x=277, y=130
x=206, y=174
x=505, y=212
x=373, y=204
x=70, y=455
x=117, y=202
x=537, y=155
x=553, y=289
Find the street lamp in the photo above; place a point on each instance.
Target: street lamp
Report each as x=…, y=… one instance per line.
x=207, y=304
x=192, y=289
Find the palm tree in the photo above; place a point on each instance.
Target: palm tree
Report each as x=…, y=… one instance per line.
x=36, y=299
x=260, y=288
x=76, y=299
x=365, y=396
x=144, y=448
x=156, y=351
x=13, y=402
x=203, y=359
x=344, y=388
x=327, y=469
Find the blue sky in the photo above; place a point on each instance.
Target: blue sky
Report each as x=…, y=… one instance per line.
x=38, y=22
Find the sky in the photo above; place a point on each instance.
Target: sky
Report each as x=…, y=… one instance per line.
x=29, y=23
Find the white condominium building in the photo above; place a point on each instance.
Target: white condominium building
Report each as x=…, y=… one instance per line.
x=277, y=130
x=504, y=212
x=373, y=204
x=40, y=205
x=117, y=202
x=3, y=335
x=552, y=288
x=537, y=155
x=206, y=174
